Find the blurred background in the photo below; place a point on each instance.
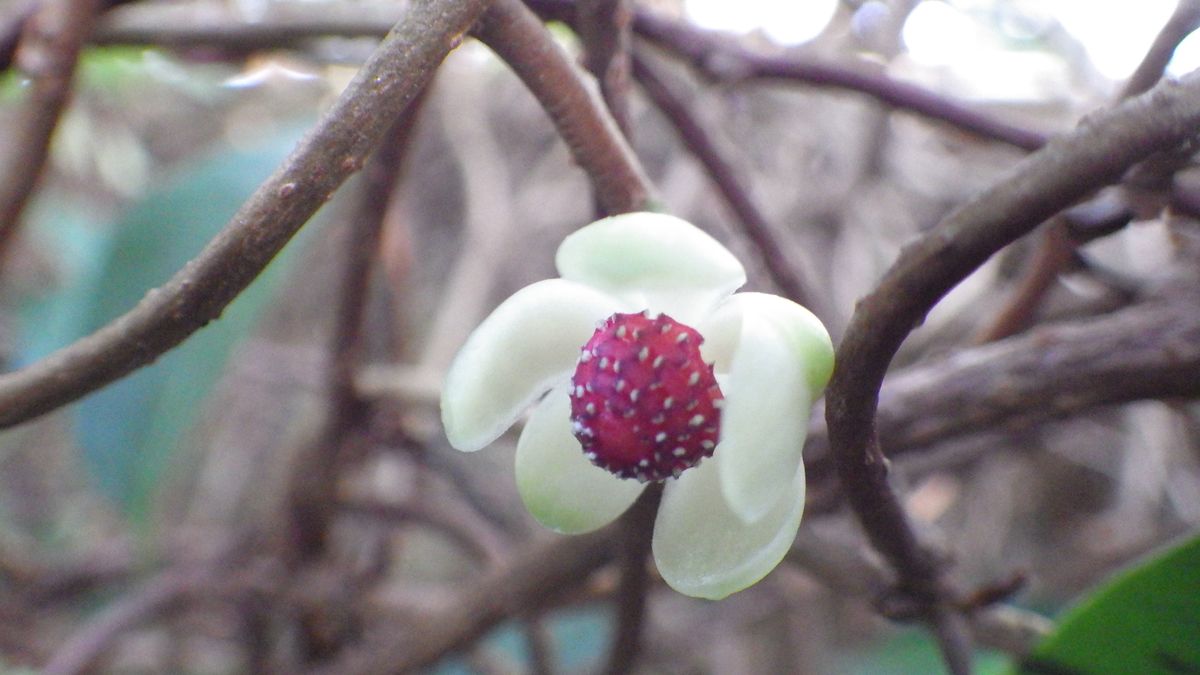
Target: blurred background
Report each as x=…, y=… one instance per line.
x=161, y=144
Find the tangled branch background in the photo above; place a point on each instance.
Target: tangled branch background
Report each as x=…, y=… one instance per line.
x=1012, y=291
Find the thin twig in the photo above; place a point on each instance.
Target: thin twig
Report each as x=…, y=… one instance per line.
x=157, y=596
x=541, y=647
x=839, y=562
x=316, y=473
x=706, y=50
x=162, y=24
x=723, y=59
x=953, y=635
x=517, y=35
x=723, y=176
x=1010, y=629
x=48, y=50
x=208, y=24
x=1182, y=23
x=531, y=580
x=315, y=477
x=1054, y=249
x=112, y=562
x=603, y=28
x=13, y=17
x=720, y=57
x=1097, y=153
x=198, y=293
x=484, y=545
x=632, y=594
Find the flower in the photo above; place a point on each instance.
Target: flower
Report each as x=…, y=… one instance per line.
x=653, y=294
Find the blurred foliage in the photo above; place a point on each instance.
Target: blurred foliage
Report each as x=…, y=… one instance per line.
x=117, y=70
x=1146, y=621
x=912, y=651
x=578, y=639
x=112, y=269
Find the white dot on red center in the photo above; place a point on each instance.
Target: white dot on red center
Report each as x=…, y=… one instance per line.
x=645, y=405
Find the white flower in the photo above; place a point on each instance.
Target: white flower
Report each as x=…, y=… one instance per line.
x=723, y=524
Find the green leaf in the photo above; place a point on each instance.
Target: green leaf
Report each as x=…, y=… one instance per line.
x=1146, y=621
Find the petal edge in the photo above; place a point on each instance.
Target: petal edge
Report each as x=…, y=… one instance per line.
x=559, y=486
x=775, y=357
x=764, y=421
x=704, y=550
x=525, y=346
x=664, y=261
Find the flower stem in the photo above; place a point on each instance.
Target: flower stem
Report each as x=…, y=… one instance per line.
x=631, y=597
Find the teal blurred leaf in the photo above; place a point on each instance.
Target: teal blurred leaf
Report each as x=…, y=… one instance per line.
x=1145, y=621
x=912, y=650
x=130, y=430
x=579, y=640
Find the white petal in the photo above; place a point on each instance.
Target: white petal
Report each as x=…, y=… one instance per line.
x=560, y=487
x=704, y=550
x=802, y=328
x=527, y=345
x=780, y=351
x=663, y=261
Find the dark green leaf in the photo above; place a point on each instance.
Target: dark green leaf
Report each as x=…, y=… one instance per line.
x=1144, y=621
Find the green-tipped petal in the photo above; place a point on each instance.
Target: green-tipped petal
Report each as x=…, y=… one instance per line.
x=807, y=335
x=780, y=350
x=560, y=487
x=653, y=259
x=527, y=345
x=704, y=550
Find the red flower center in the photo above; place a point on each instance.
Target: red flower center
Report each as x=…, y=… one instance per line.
x=644, y=404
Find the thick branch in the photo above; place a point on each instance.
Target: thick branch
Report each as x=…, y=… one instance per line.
x=198, y=293
x=517, y=35
x=1097, y=153
x=1148, y=351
